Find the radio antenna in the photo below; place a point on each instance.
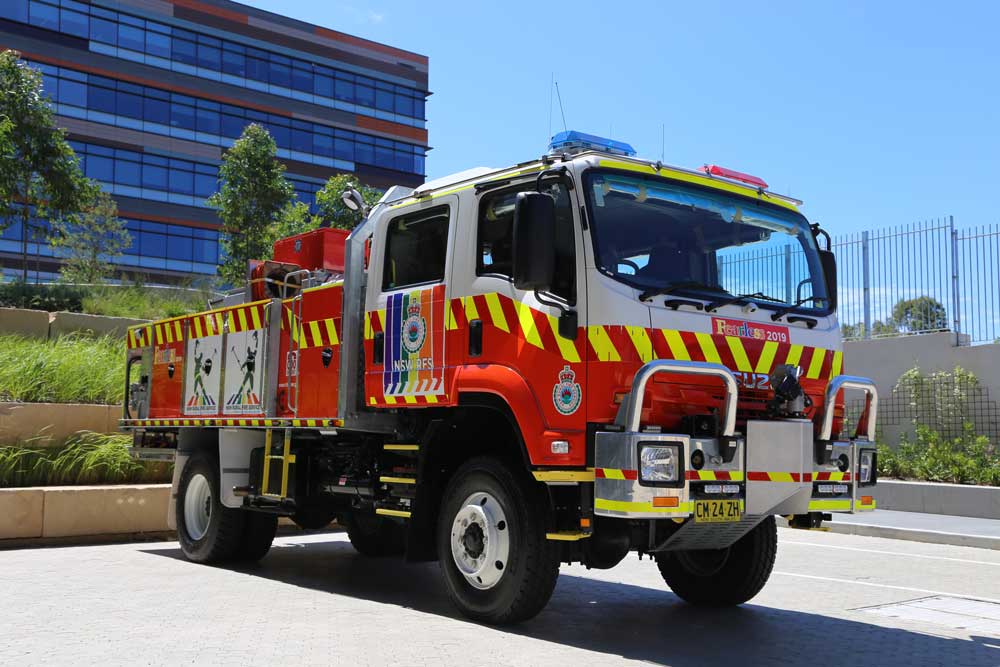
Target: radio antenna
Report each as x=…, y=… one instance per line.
x=663, y=141
x=552, y=83
x=561, y=111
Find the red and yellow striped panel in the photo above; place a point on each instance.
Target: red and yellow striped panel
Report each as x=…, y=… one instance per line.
x=203, y=325
x=140, y=336
x=616, y=473
x=293, y=423
x=761, y=476
x=831, y=477
x=714, y=475
x=315, y=333
x=246, y=318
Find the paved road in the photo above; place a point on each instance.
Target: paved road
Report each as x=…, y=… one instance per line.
x=833, y=600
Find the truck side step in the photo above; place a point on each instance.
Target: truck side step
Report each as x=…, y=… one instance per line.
x=387, y=479
x=385, y=511
x=398, y=447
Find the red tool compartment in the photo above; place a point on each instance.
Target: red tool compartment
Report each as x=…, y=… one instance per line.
x=319, y=249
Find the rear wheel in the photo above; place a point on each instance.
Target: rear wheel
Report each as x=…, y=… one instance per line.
x=723, y=577
x=210, y=532
x=374, y=535
x=498, y=566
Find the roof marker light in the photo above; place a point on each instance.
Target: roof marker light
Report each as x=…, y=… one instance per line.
x=571, y=141
x=715, y=170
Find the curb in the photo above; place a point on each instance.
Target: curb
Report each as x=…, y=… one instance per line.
x=914, y=535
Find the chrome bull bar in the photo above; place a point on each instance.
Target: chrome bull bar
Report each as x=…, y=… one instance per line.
x=849, y=382
x=633, y=408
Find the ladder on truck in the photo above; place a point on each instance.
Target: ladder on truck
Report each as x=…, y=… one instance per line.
x=284, y=456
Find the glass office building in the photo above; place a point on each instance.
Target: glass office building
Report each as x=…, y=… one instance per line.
x=151, y=92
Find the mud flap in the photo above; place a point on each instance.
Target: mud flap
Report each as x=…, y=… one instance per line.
x=779, y=467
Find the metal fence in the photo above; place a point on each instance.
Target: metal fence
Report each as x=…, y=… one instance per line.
x=920, y=278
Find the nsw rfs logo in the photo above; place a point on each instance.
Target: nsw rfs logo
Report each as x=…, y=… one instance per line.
x=414, y=329
x=566, y=395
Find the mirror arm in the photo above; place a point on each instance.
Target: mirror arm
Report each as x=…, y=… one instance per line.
x=544, y=300
x=560, y=170
x=818, y=231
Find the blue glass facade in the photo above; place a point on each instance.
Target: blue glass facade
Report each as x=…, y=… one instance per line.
x=151, y=95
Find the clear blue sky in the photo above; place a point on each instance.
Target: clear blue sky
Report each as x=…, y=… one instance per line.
x=874, y=113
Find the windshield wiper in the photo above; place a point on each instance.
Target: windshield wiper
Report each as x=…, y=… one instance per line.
x=649, y=293
x=715, y=305
x=781, y=312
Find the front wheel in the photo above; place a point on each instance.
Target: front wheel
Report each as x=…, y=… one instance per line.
x=723, y=577
x=497, y=564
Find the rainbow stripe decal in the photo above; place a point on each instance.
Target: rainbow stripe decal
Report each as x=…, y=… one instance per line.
x=414, y=343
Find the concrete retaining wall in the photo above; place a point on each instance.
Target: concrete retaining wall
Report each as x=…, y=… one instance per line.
x=29, y=323
x=70, y=511
x=94, y=325
x=50, y=424
x=954, y=499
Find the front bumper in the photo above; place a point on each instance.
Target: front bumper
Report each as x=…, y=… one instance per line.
x=776, y=467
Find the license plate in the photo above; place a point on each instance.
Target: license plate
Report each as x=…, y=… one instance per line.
x=716, y=511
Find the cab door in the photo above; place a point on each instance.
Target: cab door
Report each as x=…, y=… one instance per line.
x=405, y=305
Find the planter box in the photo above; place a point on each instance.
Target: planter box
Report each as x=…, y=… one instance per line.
x=28, y=323
x=50, y=424
x=21, y=512
x=933, y=498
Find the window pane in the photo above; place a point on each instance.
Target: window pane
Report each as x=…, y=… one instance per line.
x=383, y=100
x=204, y=185
x=257, y=69
x=232, y=126
x=157, y=44
x=15, y=10
x=208, y=121
x=127, y=173
x=302, y=80
x=209, y=57
x=323, y=85
x=280, y=75
x=43, y=16
x=129, y=105
x=364, y=94
x=154, y=177
x=181, y=181
x=234, y=63
x=101, y=99
x=130, y=37
x=153, y=245
x=281, y=134
x=74, y=23
x=183, y=51
x=156, y=111
x=404, y=105
x=416, y=249
x=182, y=116
x=345, y=90
x=103, y=31
x=179, y=248
x=302, y=141
x=73, y=93
x=100, y=168
x=384, y=157
x=205, y=251
x=364, y=153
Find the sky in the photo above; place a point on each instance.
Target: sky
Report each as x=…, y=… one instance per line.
x=875, y=114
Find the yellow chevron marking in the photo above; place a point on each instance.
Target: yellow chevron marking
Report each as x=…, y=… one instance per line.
x=218, y=323
x=410, y=399
x=708, y=348
x=390, y=400
x=242, y=314
x=780, y=476
x=837, y=365
x=169, y=331
x=317, y=337
x=766, y=357
x=331, y=331
x=431, y=399
x=566, y=347
x=449, y=321
x=527, y=322
x=794, y=354
x=197, y=327
x=712, y=476
x=603, y=346
x=640, y=339
x=159, y=335
x=496, y=312
x=613, y=473
x=381, y=317
x=471, y=312
x=255, y=317
x=677, y=347
x=739, y=354
x=816, y=364
x=178, y=332
x=369, y=334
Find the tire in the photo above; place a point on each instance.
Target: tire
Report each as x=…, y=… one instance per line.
x=514, y=512
x=258, y=534
x=215, y=534
x=724, y=577
x=374, y=535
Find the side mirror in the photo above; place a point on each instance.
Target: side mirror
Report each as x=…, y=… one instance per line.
x=829, y=263
x=534, y=241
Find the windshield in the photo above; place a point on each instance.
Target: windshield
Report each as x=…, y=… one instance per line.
x=653, y=234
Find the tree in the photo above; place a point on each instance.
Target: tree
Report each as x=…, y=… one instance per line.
x=920, y=314
x=253, y=194
x=332, y=211
x=38, y=169
x=91, y=240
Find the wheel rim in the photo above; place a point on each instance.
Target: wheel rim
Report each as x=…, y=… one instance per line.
x=480, y=540
x=197, y=507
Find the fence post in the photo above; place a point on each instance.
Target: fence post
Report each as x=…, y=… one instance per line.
x=866, y=282
x=955, y=289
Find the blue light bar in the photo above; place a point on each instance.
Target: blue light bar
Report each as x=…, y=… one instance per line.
x=571, y=141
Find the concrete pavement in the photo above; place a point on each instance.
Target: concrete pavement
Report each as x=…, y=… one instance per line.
x=832, y=600
x=920, y=527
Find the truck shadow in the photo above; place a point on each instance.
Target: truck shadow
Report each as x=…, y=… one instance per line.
x=634, y=622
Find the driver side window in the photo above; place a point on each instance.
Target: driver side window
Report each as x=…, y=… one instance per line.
x=494, y=244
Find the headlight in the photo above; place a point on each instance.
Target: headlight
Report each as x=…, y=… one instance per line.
x=659, y=464
x=866, y=467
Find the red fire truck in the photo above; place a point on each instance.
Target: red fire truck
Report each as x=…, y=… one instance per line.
x=566, y=360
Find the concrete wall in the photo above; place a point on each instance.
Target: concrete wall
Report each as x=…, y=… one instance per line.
x=933, y=498
x=28, y=323
x=50, y=424
x=42, y=324
x=885, y=360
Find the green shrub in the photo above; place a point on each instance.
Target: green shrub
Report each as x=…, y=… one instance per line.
x=88, y=458
x=42, y=297
x=72, y=369
x=967, y=459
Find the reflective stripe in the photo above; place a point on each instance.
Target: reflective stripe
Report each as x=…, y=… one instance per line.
x=739, y=354
x=603, y=346
x=708, y=349
x=640, y=340
x=564, y=475
x=829, y=505
x=527, y=321
x=816, y=364
x=766, y=360
x=645, y=507
x=496, y=312
x=677, y=347
x=566, y=347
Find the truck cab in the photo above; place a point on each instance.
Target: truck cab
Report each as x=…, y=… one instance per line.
x=562, y=361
